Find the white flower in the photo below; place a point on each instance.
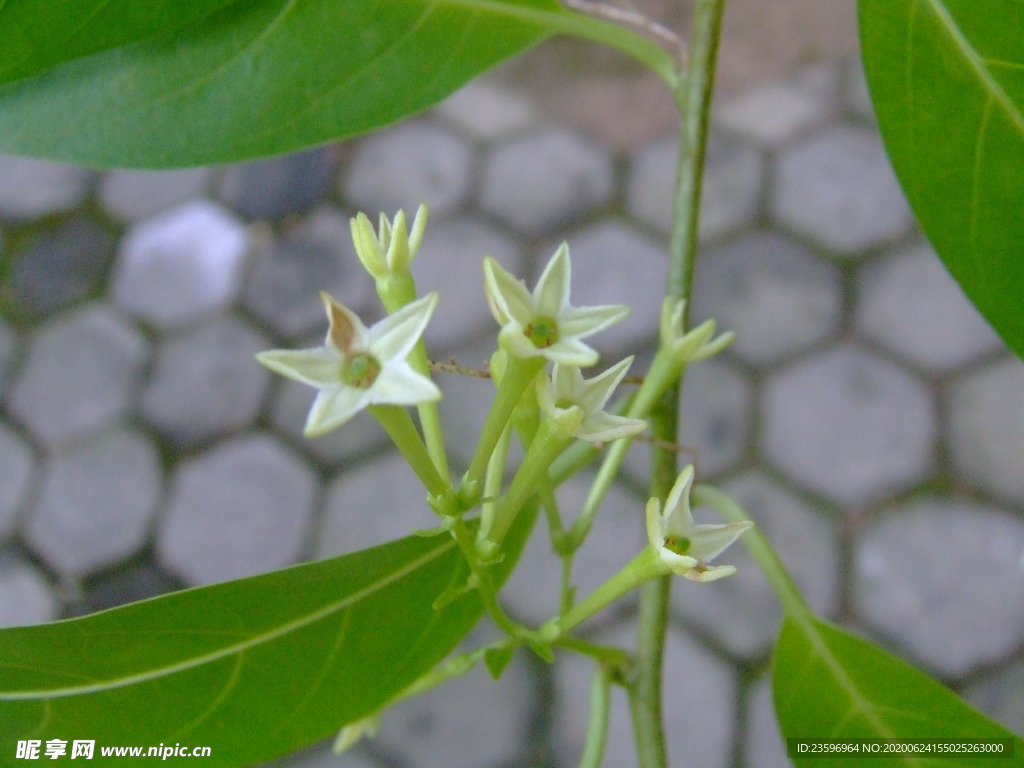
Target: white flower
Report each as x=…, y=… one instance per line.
x=689, y=346
x=391, y=249
x=576, y=404
x=684, y=546
x=357, y=367
x=543, y=323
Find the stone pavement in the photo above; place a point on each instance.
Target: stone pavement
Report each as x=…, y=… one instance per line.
x=866, y=416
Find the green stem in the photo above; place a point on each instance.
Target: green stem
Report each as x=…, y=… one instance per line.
x=694, y=99
x=398, y=424
x=597, y=728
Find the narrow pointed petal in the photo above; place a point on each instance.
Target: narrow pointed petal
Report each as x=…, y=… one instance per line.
x=399, y=384
x=708, y=541
x=318, y=367
x=552, y=292
x=708, y=573
x=396, y=335
x=346, y=332
x=332, y=408
x=655, y=527
x=599, y=389
x=565, y=380
x=506, y=296
x=681, y=565
x=600, y=427
x=419, y=225
x=570, y=352
x=677, y=506
x=581, y=322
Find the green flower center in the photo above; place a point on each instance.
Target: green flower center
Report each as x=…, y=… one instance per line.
x=565, y=404
x=678, y=544
x=360, y=371
x=542, y=332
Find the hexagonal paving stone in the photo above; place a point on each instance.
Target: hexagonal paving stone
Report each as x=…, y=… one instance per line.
x=125, y=585
x=733, y=176
x=699, y=696
x=487, y=110
x=206, y=382
x=32, y=188
x=280, y=186
x=839, y=190
x=849, y=425
x=371, y=504
x=1000, y=695
x=8, y=348
x=741, y=611
x=358, y=437
x=25, y=597
x=774, y=294
x=239, y=509
x=80, y=374
x=182, y=265
x=95, y=503
x=910, y=304
x=451, y=262
x=470, y=722
x=131, y=195
x=763, y=746
x=545, y=180
x=17, y=466
x=404, y=166
x=856, y=94
x=289, y=273
x=613, y=264
x=617, y=536
x=987, y=427
x=61, y=265
x=908, y=587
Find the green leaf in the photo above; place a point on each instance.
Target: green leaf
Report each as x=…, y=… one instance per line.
x=262, y=78
x=830, y=684
x=37, y=34
x=947, y=81
x=497, y=659
x=252, y=668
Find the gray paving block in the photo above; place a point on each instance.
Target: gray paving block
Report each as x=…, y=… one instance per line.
x=741, y=612
x=777, y=296
x=25, y=596
x=206, y=382
x=17, y=468
x=125, y=585
x=278, y=187
x=412, y=163
x=987, y=427
x=95, y=503
x=80, y=374
x=839, y=190
x=698, y=701
x=371, y=504
x=910, y=304
x=8, y=349
x=61, y=265
x=849, y=425
x=715, y=422
x=450, y=262
x=31, y=188
x=130, y=195
x=181, y=265
x=614, y=264
x=241, y=508
x=288, y=274
x=733, y=180
x=618, y=535
x=763, y=746
x=856, y=96
x=289, y=409
x=470, y=722
x=547, y=179
x=487, y=110
x=1000, y=695
x=932, y=607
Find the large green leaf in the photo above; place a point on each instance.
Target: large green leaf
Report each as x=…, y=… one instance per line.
x=263, y=77
x=252, y=668
x=830, y=684
x=36, y=34
x=947, y=81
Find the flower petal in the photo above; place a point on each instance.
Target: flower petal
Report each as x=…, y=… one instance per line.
x=506, y=296
x=568, y=351
x=655, y=526
x=580, y=322
x=678, y=518
x=318, y=367
x=681, y=565
x=333, y=407
x=394, y=337
x=600, y=427
x=706, y=573
x=399, y=384
x=708, y=541
x=598, y=390
x=551, y=296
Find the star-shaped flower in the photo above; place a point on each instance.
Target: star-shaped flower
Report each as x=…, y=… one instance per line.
x=357, y=367
x=684, y=546
x=577, y=404
x=543, y=323
x=693, y=345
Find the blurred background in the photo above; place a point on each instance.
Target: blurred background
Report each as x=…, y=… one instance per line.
x=866, y=416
